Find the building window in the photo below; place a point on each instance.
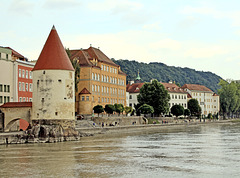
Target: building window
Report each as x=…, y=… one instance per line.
x=19, y=73
x=98, y=77
x=95, y=76
x=110, y=69
x=23, y=74
x=104, y=68
x=19, y=85
x=99, y=99
x=30, y=99
x=93, y=98
x=98, y=88
x=5, y=99
x=92, y=87
x=95, y=88
x=30, y=87
x=26, y=74
x=1, y=99
x=83, y=98
x=24, y=99
x=92, y=76
x=102, y=78
x=101, y=67
x=20, y=99
x=6, y=56
x=1, y=89
x=5, y=88
x=30, y=74
x=107, y=68
x=23, y=86
x=87, y=98
x=26, y=86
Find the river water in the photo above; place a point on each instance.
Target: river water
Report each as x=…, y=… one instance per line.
x=196, y=151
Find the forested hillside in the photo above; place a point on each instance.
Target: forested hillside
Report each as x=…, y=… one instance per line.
x=164, y=73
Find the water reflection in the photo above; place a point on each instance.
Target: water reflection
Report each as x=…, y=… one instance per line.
x=196, y=151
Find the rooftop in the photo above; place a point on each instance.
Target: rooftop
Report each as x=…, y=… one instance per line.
x=16, y=104
x=53, y=55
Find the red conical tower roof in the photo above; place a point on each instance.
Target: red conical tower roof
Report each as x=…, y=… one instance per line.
x=53, y=55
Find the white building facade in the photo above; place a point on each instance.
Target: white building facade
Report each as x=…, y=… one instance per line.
x=207, y=99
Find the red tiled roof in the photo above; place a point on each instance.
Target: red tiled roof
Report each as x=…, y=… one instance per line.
x=82, y=57
x=98, y=54
x=85, y=55
x=196, y=87
x=134, y=88
x=53, y=55
x=84, y=91
x=16, y=104
x=172, y=87
x=15, y=53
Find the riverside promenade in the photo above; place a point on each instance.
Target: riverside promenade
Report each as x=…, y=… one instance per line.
x=89, y=128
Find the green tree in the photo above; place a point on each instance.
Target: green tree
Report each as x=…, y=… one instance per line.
x=128, y=109
x=98, y=109
x=119, y=108
x=109, y=109
x=177, y=110
x=155, y=95
x=146, y=109
x=194, y=107
x=187, y=112
x=76, y=67
x=210, y=116
x=136, y=106
x=229, y=97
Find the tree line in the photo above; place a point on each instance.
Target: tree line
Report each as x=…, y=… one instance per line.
x=164, y=73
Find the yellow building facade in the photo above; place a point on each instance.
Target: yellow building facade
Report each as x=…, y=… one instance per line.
x=101, y=81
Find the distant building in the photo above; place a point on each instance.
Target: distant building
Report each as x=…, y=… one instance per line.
x=6, y=75
x=101, y=80
x=208, y=100
x=177, y=95
x=15, y=76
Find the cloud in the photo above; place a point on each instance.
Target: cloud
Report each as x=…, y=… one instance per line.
x=130, y=12
x=206, y=52
x=189, y=21
x=117, y=6
x=21, y=7
x=167, y=43
x=153, y=26
x=212, y=12
x=61, y=4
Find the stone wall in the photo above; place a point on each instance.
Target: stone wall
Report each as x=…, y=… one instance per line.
x=119, y=121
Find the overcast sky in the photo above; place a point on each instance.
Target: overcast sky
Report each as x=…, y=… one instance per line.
x=199, y=34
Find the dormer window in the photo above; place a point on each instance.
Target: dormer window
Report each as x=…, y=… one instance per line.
x=137, y=88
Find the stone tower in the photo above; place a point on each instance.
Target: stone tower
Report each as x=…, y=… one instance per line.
x=53, y=85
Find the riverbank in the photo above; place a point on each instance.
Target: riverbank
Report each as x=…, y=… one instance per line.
x=20, y=137
x=137, y=128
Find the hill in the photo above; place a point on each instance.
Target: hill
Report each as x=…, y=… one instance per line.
x=164, y=73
